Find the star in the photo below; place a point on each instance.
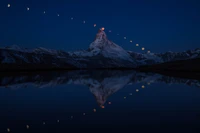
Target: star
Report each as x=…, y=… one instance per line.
x=58, y=120
x=148, y=52
x=143, y=48
x=44, y=12
x=124, y=37
x=109, y=102
x=84, y=22
x=72, y=18
x=94, y=110
x=137, y=90
x=137, y=44
x=103, y=28
x=131, y=41
x=109, y=30
x=28, y=9
x=95, y=25
x=9, y=5
x=58, y=15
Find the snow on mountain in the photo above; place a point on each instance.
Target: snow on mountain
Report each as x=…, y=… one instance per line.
x=102, y=53
x=102, y=45
x=7, y=58
x=155, y=58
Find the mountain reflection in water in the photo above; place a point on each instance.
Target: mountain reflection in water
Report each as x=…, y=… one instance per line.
x=103, y=85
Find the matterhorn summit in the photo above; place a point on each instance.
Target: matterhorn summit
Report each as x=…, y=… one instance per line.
x=102, y=45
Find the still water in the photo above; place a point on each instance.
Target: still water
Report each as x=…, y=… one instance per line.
x=98, y=101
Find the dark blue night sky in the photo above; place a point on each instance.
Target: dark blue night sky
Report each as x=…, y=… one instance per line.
x=157, y=25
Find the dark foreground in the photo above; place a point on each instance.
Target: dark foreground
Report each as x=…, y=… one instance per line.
x=184, y=69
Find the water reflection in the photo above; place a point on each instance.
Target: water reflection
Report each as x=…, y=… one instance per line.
x=125, y=99
x=101, y=84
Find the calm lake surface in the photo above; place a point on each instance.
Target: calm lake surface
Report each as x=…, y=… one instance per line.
x=98, y=101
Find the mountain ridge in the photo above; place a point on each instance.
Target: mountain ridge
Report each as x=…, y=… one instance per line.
x=102, y=53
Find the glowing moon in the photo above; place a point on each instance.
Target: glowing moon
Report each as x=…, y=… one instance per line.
x=8, y=5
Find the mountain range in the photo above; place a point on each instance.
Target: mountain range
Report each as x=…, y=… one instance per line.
x=102, y=53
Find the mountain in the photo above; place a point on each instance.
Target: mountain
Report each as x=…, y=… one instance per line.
x=155, y=58
x=102, y=53
x=103, y=46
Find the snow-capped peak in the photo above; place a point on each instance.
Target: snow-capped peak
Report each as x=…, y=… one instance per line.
x=14, y=47
x=102, y=45
x=100, y=36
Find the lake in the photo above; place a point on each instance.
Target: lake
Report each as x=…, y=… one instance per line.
x=98, y=101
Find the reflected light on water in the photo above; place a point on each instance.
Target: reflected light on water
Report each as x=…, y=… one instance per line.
x=8, y=129
x=27, y=126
